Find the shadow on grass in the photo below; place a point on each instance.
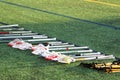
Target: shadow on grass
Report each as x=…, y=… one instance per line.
x=85, y=73
x=3, y=23
x=114, y=21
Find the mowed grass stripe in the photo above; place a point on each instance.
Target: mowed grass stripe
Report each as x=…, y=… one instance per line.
x=57, y=14
x=14, y=15
x=103, y=3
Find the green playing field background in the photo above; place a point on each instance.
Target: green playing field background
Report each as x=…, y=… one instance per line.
x=93, y=23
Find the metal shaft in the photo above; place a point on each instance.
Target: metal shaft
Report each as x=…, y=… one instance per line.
x=8, y=26
x=69, y=48
x=76, y=51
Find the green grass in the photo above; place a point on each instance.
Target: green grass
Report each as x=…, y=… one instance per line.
x=22, y=65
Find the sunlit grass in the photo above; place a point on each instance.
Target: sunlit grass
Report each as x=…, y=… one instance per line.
x=22, y=65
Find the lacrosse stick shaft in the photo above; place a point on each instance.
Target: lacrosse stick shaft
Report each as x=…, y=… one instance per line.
x=8, y=26
x=12, y=29
x=39, y=40
x=18, y=34
x=89, y=54
x=58, y=43
x=42, y=40
x=23, y=37
x=70, y=48
x=76, y=51
x=14, y=32
x=96, y=58
x=61, y=46
x=55, y=42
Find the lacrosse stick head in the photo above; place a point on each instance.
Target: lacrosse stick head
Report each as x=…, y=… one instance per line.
x=15, y=41
x=39, y=47
x=65, y=59
x=52, y=56
x=20, y=44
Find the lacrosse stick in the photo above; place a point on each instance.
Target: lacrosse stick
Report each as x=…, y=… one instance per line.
x=18, y=34
x=23, y=37
x=69, y=48
x=68, y=59
x=9, y=26
x=76, y=51
x=12, y=29
x=14, y=32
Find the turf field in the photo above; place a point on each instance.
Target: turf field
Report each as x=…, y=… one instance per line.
x=93, y=23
